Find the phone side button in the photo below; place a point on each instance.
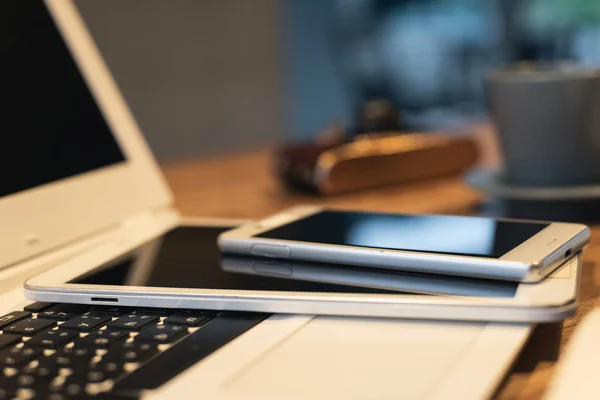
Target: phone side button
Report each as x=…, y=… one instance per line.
x=270, y=250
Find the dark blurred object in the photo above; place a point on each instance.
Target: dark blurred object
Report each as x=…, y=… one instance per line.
x=332, y=167
x=376, y=153
x=548, y=122
x=378, y=116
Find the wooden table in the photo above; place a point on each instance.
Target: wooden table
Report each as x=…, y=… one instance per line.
x=242, y=186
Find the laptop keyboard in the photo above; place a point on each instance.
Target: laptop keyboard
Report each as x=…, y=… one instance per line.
x=62, y=351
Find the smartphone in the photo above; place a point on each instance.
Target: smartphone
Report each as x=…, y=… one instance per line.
x=503, y=249
x=180, y=266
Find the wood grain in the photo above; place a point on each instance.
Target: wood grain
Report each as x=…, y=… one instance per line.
x=243, y=186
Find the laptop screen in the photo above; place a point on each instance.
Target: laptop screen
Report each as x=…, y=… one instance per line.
x=50, y=124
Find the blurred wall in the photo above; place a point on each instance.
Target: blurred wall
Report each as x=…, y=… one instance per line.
x=315, y=91
x=201, y=76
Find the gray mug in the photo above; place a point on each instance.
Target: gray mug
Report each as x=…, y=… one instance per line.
x=548, y=122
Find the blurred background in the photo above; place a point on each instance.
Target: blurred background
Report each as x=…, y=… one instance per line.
x=215, y=76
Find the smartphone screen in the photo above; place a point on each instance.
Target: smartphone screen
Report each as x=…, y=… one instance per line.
x=188, y=257
x=467, y=236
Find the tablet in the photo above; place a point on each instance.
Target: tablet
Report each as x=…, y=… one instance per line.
x=181, y=267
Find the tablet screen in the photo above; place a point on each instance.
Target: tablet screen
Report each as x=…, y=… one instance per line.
x=188, y=257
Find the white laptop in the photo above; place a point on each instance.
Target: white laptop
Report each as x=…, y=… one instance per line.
x=77, y=173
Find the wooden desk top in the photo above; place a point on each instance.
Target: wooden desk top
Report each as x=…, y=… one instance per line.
x=242, y=186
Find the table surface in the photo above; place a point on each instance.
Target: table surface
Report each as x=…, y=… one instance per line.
x=243, y=186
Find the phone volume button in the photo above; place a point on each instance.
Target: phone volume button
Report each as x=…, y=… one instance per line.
x=271, y=250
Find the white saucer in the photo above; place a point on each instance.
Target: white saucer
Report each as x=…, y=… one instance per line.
x=492, y=182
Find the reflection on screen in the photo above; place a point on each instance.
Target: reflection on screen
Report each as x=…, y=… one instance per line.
x=50, y=124
x=189, y=258
x=480, y=237
x=421, y=235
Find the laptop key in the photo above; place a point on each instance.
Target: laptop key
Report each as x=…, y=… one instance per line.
x=86, y=376
x=189, y=318
x=20, y=381
x=71, y=308
x=41, y=372
x=131, y=352
x=113, y=335
x=114, y=311
x=73, y=390
x=18, y=356
x=13, y=317
x=70, y=357
x=38, y=306
x=102, y=339
x=110, y=369
x=161, y=333
x=161, y=312
x=97, y=342
x=55, y=314
x=133, y=322
x=29, y=326
x=86, y=322
x=52, y=338
x=63, y=361
x=7, y=339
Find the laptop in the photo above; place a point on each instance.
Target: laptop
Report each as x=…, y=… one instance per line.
x=77, y=173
